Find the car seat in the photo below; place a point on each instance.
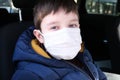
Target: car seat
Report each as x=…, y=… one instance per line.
x=9, y=34
x=113, y=34
x=6, y=17
x=3, y=13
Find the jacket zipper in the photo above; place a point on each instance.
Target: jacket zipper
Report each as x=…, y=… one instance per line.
x=79, y=70
x=88, y=70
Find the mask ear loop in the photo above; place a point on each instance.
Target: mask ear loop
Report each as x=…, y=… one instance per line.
x=40, y=33
x=41, y=44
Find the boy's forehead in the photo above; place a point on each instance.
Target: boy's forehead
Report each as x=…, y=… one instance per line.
x=61, y=14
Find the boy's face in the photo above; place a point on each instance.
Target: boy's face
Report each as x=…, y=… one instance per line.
x=54, y=22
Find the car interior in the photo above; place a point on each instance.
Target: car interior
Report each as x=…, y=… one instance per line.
x=100, y=33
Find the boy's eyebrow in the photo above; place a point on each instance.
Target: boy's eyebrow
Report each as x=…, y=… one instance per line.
x=51, y=23
x=74, y=20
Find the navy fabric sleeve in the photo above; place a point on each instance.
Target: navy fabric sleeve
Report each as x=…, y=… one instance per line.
x=100, y=72
x=102, y=76
x=25, y=75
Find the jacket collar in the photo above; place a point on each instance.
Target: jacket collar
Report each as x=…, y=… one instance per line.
x=38, y=49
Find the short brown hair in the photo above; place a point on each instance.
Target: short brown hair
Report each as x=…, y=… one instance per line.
x=45, y=7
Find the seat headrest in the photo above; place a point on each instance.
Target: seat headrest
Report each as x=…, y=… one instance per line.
x=24, y=3
x=3, y=11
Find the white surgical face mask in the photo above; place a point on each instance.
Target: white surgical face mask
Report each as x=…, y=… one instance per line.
x=63, y=44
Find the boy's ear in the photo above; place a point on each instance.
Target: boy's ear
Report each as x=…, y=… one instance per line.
x=38, y=36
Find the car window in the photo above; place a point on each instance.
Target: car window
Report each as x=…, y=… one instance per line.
x=4, y=3
x=7, y=4
x=107, y=7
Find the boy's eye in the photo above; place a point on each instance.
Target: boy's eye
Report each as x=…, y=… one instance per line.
x=73, y=25
x=54, y=28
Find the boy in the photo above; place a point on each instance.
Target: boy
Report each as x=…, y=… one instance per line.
x=52, y=50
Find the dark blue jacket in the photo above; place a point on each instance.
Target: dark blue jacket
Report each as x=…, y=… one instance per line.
x=32, y=66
